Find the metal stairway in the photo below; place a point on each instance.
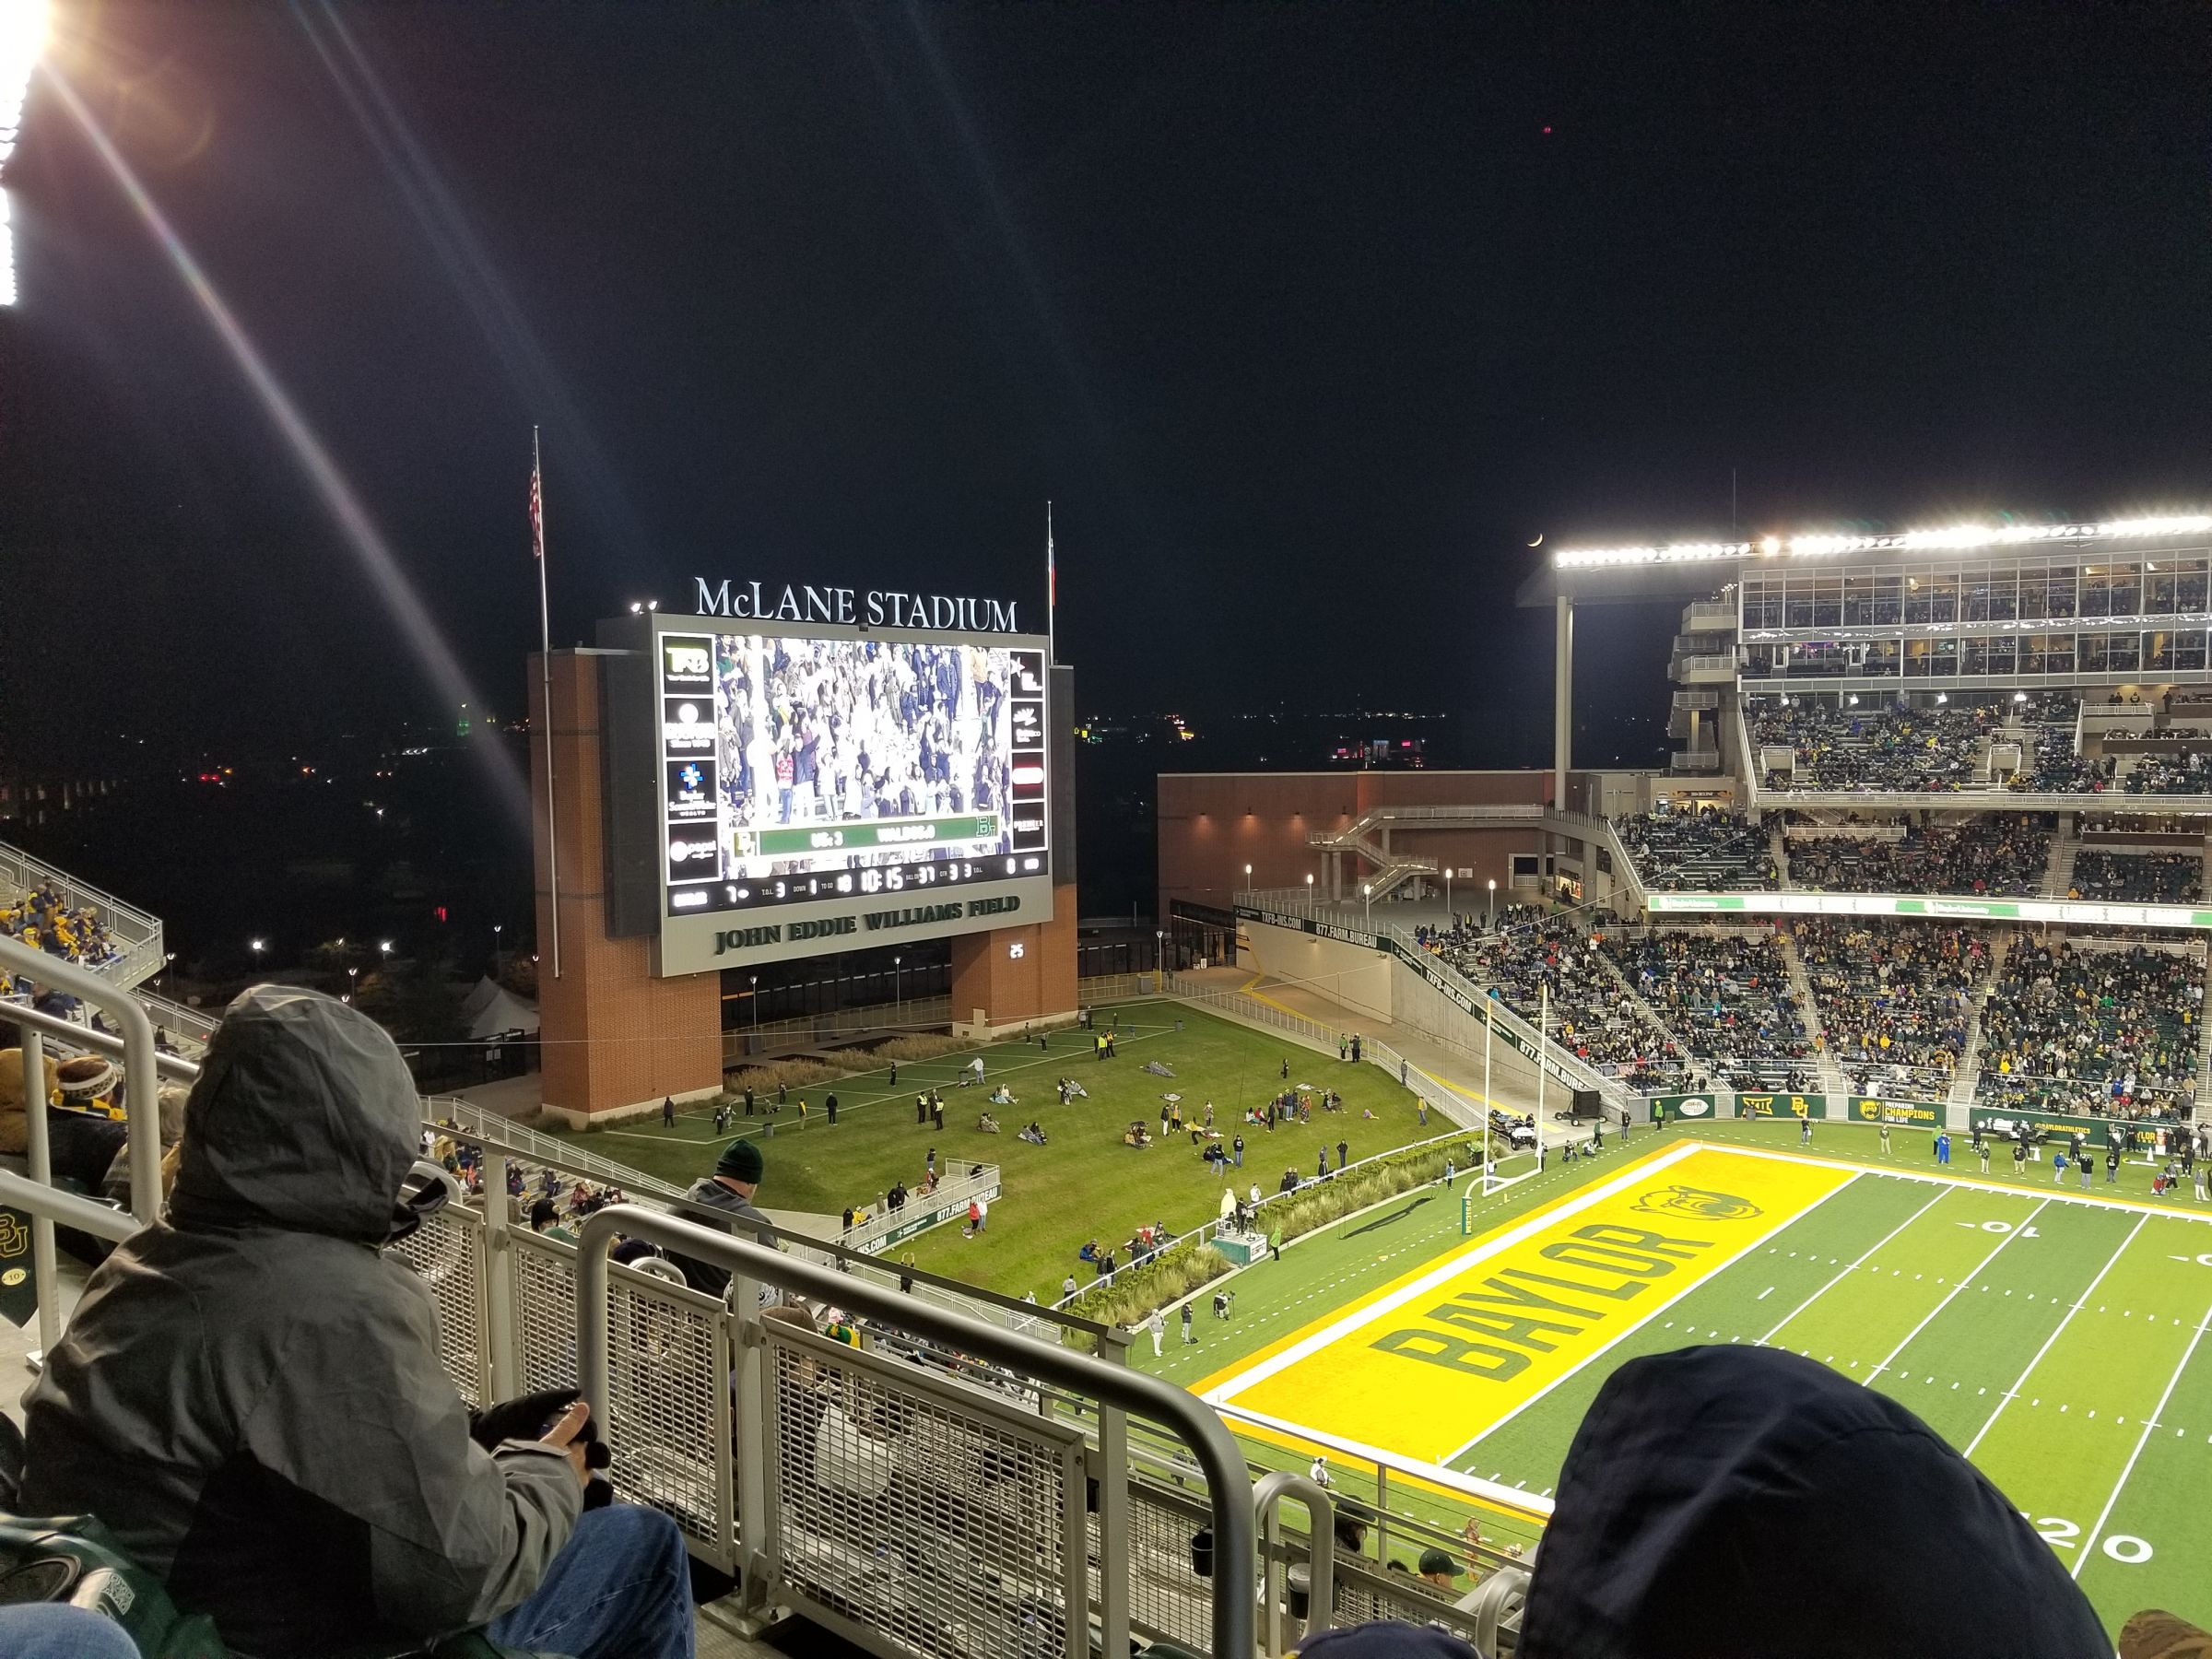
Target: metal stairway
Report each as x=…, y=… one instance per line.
x=1969, y=1076
x=1832, y=1080
x=2065, y=845
x=1361, y=836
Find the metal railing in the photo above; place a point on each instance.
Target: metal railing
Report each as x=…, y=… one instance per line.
x=987, y=1500
x=843, y=1460
x=547, y=1149
x=188, y=1028
x=886, y=1227
x=136, y=935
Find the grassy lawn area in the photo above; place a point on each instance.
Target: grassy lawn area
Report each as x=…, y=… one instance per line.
x=1085, y=1183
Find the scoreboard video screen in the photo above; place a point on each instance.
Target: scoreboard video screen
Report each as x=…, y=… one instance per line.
x=839, y=769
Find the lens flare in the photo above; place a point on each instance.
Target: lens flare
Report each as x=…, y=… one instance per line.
x=417, y=626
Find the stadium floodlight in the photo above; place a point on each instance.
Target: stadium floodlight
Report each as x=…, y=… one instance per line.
x=653, y=604
x=258, y=946
x=635, y=608
x=1942, y=538
x=385, y=946
x=22, y=39
x=1493, y=922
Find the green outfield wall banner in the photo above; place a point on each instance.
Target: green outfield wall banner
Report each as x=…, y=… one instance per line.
x=1781, y=1105
x=1915, y=1114
x=1694, y=1108
x=2071, y=911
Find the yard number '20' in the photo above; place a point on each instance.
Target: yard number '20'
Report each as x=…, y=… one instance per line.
x=2061, y=1534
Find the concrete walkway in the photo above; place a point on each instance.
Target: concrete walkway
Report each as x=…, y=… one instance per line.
x=1440, y=1061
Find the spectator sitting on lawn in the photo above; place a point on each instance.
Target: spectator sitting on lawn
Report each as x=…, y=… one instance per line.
x=1034, y=1133
x=987, y=1124
x=1001, y=1096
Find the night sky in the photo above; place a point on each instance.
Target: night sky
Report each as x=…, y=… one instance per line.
x=1307, y=318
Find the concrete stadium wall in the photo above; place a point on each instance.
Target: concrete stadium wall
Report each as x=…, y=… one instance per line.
x=1418, y=1006
x=1356, y=976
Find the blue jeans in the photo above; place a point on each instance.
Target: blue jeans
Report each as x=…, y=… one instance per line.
x=55, y=1630
x=620, y=1588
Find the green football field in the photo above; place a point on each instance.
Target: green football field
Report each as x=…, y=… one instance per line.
x=2057, y=1337
x=1084, y=1184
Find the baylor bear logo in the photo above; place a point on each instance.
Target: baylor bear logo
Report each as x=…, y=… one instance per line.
x=1696, y=1201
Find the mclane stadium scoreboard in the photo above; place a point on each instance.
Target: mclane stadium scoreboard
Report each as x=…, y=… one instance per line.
x=826, y=785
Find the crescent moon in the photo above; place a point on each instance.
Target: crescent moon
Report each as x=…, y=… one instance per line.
x=1537, y=542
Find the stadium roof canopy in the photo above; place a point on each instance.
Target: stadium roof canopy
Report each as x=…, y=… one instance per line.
x=1689, y=570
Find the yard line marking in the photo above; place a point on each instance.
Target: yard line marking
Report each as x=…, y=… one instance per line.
x=1831, y=1284
x=1945, y=1302
x=1766, y=1292
x=2195, y=1337
x=2022, y=1381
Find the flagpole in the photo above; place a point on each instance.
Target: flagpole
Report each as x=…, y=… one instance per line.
x=1052, y=594
x=1489, y=1020
x=1543, y=1028
x=545, y=665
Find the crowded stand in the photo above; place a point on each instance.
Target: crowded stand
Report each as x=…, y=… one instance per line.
x=1893, y=999
x=2055, y=764
x=1592, y=1013
x=2137, y=878
x=2111, y=1030
x=1895, y=747
x=2188, y=772
x=2003, y=854
x=1699, y=852
x=43, y=920
x=1725, y=997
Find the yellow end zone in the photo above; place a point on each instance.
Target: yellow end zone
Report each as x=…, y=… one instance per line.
x=1423, y=1366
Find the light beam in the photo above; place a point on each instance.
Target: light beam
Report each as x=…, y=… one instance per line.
x=416, y=624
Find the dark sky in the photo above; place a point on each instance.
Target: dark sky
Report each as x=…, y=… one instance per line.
x=1307, y=318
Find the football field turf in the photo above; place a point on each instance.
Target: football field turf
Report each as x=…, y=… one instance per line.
x=2054, y=1336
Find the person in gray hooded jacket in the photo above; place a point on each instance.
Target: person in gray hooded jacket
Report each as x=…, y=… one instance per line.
x=249, y=1394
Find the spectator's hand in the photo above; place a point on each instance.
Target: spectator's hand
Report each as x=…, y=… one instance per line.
x=564, y=1435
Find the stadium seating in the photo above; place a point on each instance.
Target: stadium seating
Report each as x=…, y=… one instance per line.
x=2187, y=772
x=1725, y=999
x=1592, y=1013
x=1698, y=852
x=2108, y=1028
x=2003, y=854
x=1892, y=999
x=2137, y=878
x=1887, y=747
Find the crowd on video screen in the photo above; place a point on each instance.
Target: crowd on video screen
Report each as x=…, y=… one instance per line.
x=843, y=731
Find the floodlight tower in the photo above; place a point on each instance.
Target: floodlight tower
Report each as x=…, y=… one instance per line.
x=23, y=25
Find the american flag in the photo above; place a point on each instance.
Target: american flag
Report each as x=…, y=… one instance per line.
x=538, y=512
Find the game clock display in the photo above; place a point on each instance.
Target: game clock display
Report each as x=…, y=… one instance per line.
x=799, y=768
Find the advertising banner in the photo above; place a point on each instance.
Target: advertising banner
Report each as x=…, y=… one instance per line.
x=2070, y=911
x=1781, y=1105
x=1916, y=1114
x=1695, y=1108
